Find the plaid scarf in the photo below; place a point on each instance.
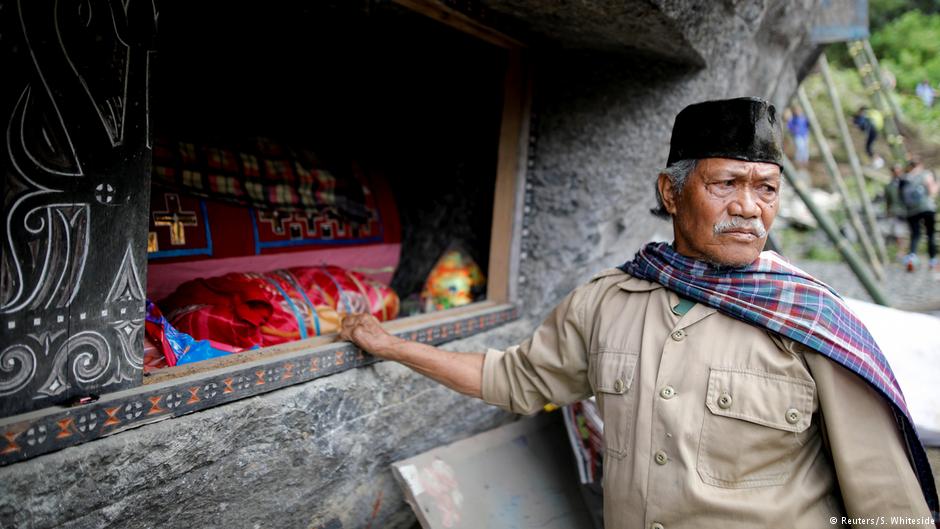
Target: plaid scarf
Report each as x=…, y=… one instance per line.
x=775, y=295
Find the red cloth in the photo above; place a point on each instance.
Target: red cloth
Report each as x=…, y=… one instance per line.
x=249, y=309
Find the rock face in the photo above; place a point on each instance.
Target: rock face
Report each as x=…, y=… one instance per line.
x=312, y=455
x=317, y=454
x=603, y=128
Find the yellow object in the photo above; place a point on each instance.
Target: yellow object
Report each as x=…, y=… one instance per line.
x=454, y=281
x=877, y=118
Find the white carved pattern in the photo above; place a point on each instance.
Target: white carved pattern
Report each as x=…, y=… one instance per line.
x=173, y=400
x=20, y=360
x=126, y=284
x=127, y=332
x=93, y=358
x=87, y=422
x=66, y=229
x=133, y=410
x=22, y=289
x=110, y=108
x=91, y=362
x=63, y=240
x=36, y=435
x=13, y=294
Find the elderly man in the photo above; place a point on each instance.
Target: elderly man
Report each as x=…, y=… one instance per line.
x=736, y=390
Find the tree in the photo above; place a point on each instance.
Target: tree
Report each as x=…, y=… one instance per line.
x=910, y=47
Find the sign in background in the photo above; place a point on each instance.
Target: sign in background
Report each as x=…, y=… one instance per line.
x=840, y=21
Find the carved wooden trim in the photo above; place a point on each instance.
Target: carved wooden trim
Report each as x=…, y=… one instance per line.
x=40, y=432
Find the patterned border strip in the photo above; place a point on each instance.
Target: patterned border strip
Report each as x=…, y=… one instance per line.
x=52, y=429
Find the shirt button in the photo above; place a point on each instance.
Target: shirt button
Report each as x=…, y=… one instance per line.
x=724, y=401
x=794, y=416
x=678, y=335
x=667, y=392
x=661, y=458
x=656, y=525
x=618, y=385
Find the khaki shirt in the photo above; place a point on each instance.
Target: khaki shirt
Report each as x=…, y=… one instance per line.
x=708, y=421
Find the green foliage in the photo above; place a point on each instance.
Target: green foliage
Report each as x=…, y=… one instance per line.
x=906, y=39
x=882, y=12
x=806, y=245
x=838, y=55
x=823, y=253
x=909, y=46
x=925, y=121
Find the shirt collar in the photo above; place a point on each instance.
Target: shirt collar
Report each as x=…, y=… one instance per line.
x=635, y=284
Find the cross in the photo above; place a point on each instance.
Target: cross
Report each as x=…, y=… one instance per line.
x=175, y=218
x=279, y=220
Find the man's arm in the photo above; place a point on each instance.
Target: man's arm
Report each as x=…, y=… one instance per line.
x=551, y=366
x=461, y=372
x=933, y=186
x=867, y=450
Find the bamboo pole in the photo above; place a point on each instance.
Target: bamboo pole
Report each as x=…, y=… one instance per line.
x=886, y=88
x=873, y=87
x=833, y=169
x=853, y=159
x=875, y=176
x=826, y=223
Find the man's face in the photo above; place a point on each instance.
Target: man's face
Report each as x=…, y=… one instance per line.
x=724, y=211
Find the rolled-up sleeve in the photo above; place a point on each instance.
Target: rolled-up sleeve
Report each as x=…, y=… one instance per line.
x=549, y=367
x=868, y=452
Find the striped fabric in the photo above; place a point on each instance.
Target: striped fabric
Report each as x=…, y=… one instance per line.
x=265, y=175
x=775, y=295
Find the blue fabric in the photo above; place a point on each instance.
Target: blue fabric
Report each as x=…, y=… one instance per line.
x=799, y=126
x=184, y=347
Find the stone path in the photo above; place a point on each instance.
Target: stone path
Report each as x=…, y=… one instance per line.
x=918, y=290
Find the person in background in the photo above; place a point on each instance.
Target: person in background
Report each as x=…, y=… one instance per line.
x=799, y=128
x=870, y=121
x=926, y=93
x=896, y=212
x=918, y=192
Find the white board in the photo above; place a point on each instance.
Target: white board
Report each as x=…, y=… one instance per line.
x=911, y=343
x=517, y=476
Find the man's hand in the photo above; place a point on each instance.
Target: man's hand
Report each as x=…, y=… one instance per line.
x=462, y=372
x=366, y=332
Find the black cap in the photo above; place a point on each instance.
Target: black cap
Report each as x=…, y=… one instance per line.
x=744, y=129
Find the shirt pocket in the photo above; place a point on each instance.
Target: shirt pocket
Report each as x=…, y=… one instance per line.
x=611, y=374
x=755, y=425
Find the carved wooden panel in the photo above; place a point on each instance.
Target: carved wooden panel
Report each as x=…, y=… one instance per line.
x=75, y=192
x=56, y=428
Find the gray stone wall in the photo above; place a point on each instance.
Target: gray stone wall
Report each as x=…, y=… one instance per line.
x=318, y=454
x=308, y=456
x=604, y=122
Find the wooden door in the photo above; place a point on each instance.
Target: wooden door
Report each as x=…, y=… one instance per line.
x=76, y=183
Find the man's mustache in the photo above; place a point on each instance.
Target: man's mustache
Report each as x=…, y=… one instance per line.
x=752, y=225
